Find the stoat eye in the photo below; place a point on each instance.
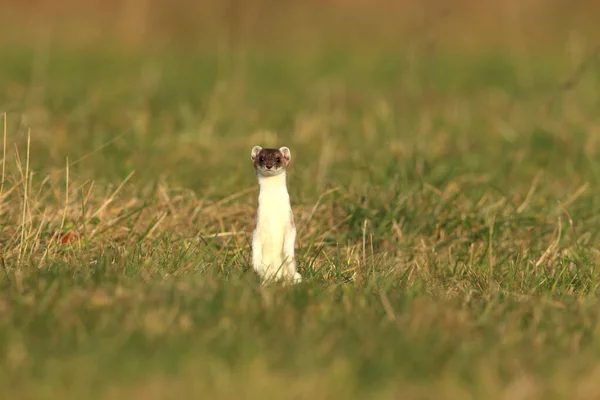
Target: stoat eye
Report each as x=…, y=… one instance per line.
x=278, y=160
x=262, y=159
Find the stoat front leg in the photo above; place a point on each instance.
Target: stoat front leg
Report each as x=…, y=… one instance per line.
x=289, y=242
x=257, y=263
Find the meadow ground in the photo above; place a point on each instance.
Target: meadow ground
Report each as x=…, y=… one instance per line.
x=446, y=193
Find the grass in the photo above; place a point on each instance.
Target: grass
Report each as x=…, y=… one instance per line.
x=446, y=204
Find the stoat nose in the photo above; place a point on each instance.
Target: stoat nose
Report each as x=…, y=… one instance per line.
x=269, y=166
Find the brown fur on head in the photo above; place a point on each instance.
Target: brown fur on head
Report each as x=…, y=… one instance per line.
x=269, y=162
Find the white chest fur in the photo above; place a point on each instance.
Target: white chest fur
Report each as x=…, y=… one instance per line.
x=274, y=236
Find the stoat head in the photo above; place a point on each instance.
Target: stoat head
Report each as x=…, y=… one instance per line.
x=270, y=162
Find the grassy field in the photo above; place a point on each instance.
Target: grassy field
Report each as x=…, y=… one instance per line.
x=445, y=184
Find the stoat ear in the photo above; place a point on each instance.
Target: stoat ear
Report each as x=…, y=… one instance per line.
x=287, y=154
x=255, y=151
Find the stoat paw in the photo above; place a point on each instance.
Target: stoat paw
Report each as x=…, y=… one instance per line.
x=297, y=278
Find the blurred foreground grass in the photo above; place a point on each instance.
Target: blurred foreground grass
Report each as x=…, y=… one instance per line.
x=446, y=200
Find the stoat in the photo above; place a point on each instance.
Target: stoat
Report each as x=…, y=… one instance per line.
x=274, y=236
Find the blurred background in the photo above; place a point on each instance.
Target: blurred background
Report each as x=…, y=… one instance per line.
x=519, y=26
x=432, y=79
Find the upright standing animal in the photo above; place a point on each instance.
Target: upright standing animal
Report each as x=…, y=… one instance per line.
x=274, y=236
